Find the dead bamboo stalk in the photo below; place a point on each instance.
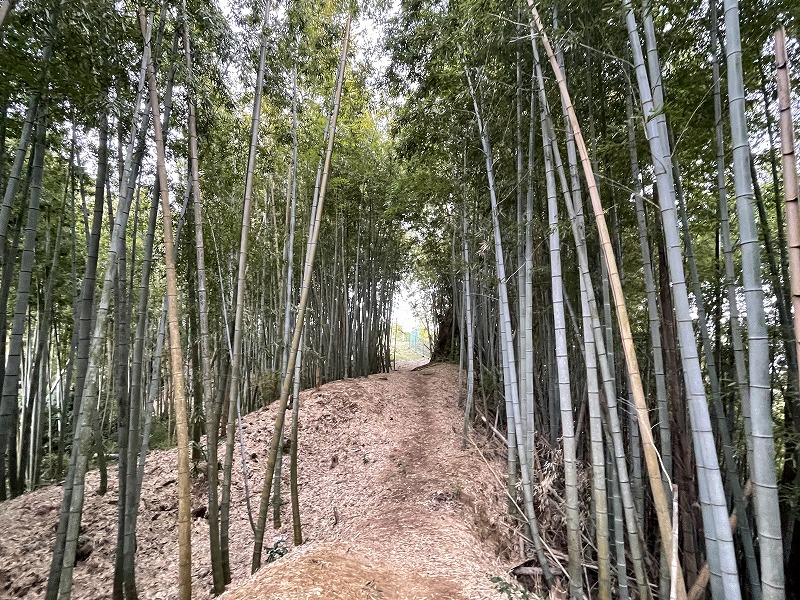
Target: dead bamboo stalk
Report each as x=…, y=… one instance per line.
x=651, y=453
x=789, y=175
x=176, y=359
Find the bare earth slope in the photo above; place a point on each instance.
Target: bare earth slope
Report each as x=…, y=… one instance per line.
x=391, y=507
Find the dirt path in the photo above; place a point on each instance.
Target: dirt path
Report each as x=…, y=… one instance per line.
x=391, y=507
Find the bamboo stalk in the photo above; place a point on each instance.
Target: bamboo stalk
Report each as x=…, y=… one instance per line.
x=673, y=590
x=176, y=359
x=763, y=473
x=301, y=310
x=204, y=337
x=789, y=161
x=651, y=453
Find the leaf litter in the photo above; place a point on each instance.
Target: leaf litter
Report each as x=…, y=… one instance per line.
x=391, y=507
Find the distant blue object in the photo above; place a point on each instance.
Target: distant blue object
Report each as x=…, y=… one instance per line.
x=413, y=339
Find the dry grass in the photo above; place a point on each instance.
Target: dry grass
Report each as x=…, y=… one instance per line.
x=391, y=507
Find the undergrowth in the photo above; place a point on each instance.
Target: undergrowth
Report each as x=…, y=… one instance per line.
x=511, y=590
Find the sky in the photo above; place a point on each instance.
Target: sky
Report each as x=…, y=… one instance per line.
x=368, y=35
x=402, y=311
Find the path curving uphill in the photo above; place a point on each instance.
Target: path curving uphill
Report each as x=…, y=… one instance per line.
x=391, y=507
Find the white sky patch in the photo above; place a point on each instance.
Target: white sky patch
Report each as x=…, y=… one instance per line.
x=368, y=34
x=407, y=307
x=402, y=311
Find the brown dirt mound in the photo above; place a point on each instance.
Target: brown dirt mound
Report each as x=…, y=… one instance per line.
x=391, y=507
x=337, y=571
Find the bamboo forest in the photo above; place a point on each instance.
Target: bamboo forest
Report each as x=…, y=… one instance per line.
x=400, y=299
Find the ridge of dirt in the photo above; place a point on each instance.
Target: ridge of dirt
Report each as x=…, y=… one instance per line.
x=391, y=507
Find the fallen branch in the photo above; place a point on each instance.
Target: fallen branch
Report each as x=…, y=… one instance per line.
x=492, y=427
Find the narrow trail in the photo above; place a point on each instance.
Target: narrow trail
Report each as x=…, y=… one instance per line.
x=391, y=507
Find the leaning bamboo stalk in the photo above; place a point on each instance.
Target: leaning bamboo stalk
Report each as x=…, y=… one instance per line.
x=72, y=504
x=15, y=176
x=650, y=291
x=622, y=496
x=9, y=408
x=740, y=368
x=527, y=365
x=564, y=393
x=521, y=271
x=60, y=582
x=719, y=544
x=470, y=332
x=790, y=184
x=287, y=289
x=5, y=8
x=134, y=439
x=236, y=348
x=138, y=391
x=212, y=428
x=288, y=250
x=301, y=310
x=622, y=489
x=515, y=433
x=699, y=587
x=651, y=454
x=294, y=493
x=673, y=591
x=731, y=482
x=599, y=493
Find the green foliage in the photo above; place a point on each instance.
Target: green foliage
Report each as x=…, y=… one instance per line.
x=511, y=590
x=162, y=434
x=276, y=551
x=95, y=50
x=407, y=163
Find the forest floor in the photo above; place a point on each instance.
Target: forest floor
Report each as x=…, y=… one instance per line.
x=391, y=506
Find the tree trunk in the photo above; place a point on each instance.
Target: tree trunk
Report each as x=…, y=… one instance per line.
x=564, y=392
x=653, y=466
x=205, y=345
x=9, y=407
x=507, y=346
x=240, y=292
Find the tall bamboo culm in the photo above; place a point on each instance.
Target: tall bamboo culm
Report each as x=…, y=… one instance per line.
x=651, y=454
x=286, y=386
x=763, y=475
